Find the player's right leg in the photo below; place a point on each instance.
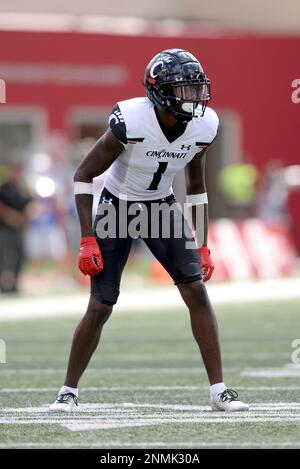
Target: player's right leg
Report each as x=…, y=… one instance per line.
x=85, y=341
x=104, y=294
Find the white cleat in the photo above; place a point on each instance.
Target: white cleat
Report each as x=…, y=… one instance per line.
x=64, y=403
x=227, y=401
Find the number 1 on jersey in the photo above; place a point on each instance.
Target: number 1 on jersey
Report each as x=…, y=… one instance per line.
x=157, y=176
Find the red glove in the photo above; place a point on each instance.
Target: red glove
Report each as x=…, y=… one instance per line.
x=90, y=258
x=207, y=265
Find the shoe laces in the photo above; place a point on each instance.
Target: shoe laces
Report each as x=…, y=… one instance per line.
x=66, y=398
x=228, y=395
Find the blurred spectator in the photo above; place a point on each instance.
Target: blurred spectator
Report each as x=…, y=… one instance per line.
x=238, y=183
x=14, y=200
x=276, y=184
x=47, y=173
x=45, y=236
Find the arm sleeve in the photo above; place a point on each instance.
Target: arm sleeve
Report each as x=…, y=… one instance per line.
x=117, y=124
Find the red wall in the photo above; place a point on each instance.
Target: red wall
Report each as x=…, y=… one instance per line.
x=250, y=74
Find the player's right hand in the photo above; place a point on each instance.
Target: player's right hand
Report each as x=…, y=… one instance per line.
x=90, y=258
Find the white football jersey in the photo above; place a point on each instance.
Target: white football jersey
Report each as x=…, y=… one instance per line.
x=145, y=169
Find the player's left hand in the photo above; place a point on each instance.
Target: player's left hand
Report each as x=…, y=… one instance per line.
x=207, y=265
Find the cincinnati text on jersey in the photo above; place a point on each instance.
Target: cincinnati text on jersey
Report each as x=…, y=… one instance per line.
x=165, y=154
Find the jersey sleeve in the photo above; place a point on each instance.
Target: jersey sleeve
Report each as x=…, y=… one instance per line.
x=117, y=125
x=212, y=124
x=209, y=125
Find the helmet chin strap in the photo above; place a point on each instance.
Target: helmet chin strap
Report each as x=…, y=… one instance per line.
x=183, y=118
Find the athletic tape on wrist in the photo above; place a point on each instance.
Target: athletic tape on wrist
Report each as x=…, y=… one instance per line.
x=83, y=188
x=197, y=199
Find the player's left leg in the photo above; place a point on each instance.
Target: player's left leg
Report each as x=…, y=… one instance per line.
x=183, y=265
x=205, y=330
x=204, y=327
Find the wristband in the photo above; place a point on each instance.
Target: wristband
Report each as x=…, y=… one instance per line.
x=197, y=199
x=83, y=188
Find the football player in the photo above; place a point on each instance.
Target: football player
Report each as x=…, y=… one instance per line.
x=150, y=139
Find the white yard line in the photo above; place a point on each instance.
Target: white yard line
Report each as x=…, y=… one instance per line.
x=267, y=405
x=114, y=389
x=151, y=444
x=50, y=371
x=157, y=421
x=111, y=389
x=156, y=299
x=110, y=415
x=85, y=409
x=150, y=388
x=256, y=408
x=108, y=421
x=272, y=373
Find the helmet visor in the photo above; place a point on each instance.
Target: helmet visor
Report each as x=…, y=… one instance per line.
x=195, y=92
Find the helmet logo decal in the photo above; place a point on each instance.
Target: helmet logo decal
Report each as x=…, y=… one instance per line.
x=152, y=69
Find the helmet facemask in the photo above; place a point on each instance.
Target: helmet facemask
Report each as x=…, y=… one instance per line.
x=182, y=98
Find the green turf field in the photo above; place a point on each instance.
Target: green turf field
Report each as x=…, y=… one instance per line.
x=146, y=386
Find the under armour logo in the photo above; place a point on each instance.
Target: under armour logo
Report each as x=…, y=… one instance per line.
x=186, y=147
x=107, y=201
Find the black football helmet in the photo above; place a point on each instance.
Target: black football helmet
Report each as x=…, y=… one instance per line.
x=175, y=82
